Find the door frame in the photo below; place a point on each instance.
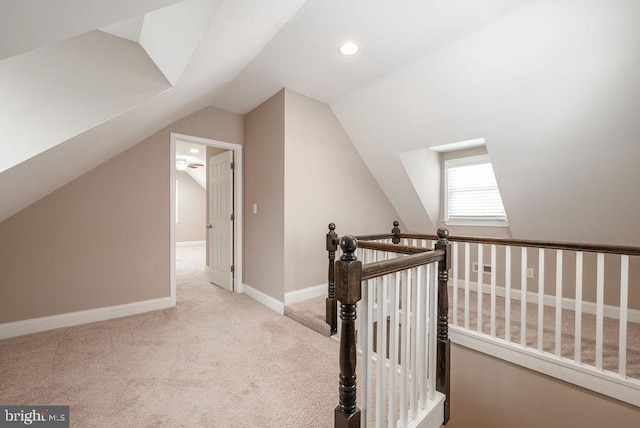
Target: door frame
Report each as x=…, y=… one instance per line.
x=237, y=207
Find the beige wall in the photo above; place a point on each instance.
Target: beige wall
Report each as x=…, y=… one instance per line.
x=191, y=203
x=102, y=239
x=325, y=181
x=487, y=392
x=264, y=185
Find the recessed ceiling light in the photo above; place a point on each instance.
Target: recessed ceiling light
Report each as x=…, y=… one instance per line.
x=194, y=150
x=349, y=48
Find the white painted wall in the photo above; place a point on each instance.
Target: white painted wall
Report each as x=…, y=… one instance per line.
x=28, y=24
x=54, y=93
x=171, y=35
x=554, y=88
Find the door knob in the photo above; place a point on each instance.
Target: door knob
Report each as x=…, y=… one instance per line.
x=209, y=226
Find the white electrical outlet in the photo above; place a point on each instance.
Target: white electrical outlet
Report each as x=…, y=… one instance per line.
x=530, y=273
x=255, y=208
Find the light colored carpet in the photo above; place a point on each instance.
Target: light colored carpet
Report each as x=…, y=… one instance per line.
x=216, y=360
x=310, y=313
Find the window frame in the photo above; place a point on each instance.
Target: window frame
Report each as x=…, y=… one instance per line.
x=467, y=161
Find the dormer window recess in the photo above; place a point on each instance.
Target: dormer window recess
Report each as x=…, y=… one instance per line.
x=471, y=192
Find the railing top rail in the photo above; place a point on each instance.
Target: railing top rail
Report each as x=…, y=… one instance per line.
x=374, y=236
x=385, y=267
x=394, y=248
x=594, y=248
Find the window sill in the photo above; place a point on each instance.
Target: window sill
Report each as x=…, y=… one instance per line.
x=476, y=223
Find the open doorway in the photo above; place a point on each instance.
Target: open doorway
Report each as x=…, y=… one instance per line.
x=231, y=164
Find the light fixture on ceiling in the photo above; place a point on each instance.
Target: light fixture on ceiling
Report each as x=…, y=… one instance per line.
x=349, y=48
x=181, y=164
x=194, y=150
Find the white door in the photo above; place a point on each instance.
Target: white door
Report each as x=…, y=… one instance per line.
x=221, y=220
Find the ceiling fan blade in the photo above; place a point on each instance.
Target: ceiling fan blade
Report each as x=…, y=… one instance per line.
x=195, y=165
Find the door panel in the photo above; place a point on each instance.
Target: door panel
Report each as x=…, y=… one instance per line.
x=220, y=214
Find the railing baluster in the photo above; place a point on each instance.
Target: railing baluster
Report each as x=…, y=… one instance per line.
x=578, y=309
x=455, y=283
x=404, y=353
x=480, y=284
x=423, y=330
x=523, y=297
x=415, y=316
x=368, y=293
x=624, y=293
x=599, y=310
x=541, y=299
x=381, y=352
x=558, y=344
x=433, y=330
x=393, y=350
x=467, y=274
x=494, y=267
x=507, y=294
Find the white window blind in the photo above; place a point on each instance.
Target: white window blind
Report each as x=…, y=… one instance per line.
x=472, y=191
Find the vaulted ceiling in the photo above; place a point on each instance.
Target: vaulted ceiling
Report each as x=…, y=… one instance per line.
x=551, y=85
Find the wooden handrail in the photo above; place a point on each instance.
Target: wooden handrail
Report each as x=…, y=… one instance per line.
x=385, y=267
x=394, y=248
x=348, y=274
x=593, y=248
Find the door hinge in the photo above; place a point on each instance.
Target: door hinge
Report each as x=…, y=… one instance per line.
x=233, y=268
x=233, y=165
x=232, y=217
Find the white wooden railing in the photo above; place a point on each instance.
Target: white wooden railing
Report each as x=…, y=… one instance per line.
x=569, y=283
x=405, y=376
x=397, y=343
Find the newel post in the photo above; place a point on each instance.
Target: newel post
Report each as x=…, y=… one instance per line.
x=331, y=313
x=443, y=369
x=396, y=232
x=348, y=276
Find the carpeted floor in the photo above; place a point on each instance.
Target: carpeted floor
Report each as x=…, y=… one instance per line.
x=216, y=360
x=310, y=313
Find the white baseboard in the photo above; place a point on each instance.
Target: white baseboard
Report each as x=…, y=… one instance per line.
x=190, y=243
x=603, y=382
x=610, y=311
x=305, y=294
x=36, y=325
x=260, y=297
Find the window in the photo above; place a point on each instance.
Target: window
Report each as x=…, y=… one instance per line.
x=471, y=192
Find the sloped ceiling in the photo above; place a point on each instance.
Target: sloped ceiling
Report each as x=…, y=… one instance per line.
x=72, y=143
x=552, y=86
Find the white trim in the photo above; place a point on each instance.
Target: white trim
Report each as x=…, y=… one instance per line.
x=238, y=225
x=173, y=215
x=603, y=382
x=305, y=294
x=190, y=243
x=430, y=417
x=260, y=297
x=610, y=311
x=36, y=325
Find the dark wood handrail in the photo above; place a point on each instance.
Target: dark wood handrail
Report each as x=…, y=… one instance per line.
x=348, y=274
x=374, y=236
x=592, y=248
x=394, y=248
x=385, y=267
